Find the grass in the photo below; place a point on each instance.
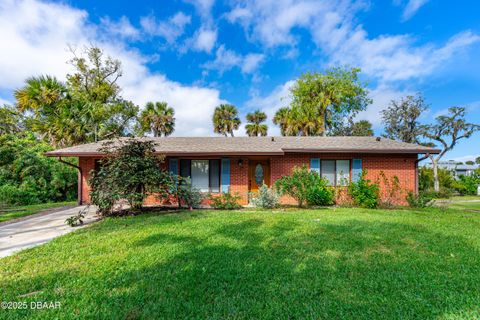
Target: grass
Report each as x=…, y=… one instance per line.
x=22, y=211
x=292, y=264
x=465, y=205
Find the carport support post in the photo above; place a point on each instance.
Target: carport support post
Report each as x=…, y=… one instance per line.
x=80, y=180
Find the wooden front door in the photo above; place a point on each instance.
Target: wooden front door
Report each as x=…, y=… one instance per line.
x=258, y=174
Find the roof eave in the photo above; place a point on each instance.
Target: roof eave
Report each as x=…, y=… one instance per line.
x=398, y=151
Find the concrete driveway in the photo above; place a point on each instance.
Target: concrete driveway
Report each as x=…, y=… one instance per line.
x=37, y=229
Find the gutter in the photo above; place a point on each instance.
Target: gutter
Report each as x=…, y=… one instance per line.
x=416, y=170
x=80, y=182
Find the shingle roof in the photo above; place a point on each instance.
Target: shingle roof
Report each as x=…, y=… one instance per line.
x=257, y=146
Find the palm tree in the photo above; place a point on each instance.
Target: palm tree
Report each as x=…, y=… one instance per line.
x=157, y=118
x=225, y=119
x=44, y=100
x=255, y=127
x=39, y=92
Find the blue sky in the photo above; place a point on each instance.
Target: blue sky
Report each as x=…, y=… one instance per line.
x=198, y=54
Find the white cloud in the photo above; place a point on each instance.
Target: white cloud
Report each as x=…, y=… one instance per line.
x=204, y=7
x=336, y=32
x=38, y=33
x=122, y=27
x=226, y=59
x=251, y=62
x=170, y=29
x=204, y=40
x=412, y=7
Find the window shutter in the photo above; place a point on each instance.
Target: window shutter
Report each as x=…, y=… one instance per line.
x=225, y=175
x=356, y=169
x=173, y=166
x=315, y=165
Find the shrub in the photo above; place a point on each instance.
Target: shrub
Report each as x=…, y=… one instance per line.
x=14, y=195
x=419, y=201
x=467, y=185
x=425, y=180
x=225, y=201
x=188, y=195
x=129, y=171
x=319, y=193
x=265, y=198
x=30, y=176
x=364, y=193
x=306, y=186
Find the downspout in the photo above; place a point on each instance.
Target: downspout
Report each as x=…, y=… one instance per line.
x=80, y=179
x=416, y=170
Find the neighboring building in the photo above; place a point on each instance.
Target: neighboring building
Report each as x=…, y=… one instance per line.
x=455, y=168
x=242, y=164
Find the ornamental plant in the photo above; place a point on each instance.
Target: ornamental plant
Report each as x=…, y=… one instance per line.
x=306, y=187
x=129, y=171
x=364, y=193
x=226, y=201
x=266, y=198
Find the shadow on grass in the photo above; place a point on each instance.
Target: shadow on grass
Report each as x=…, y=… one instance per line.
x=285, y=270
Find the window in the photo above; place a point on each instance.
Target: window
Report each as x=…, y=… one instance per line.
x=328, y=171
x=336, y=172
x=200, y=175
x=343, y=172
x=204, y=174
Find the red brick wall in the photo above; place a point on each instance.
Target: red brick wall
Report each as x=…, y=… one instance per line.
x=402, y=166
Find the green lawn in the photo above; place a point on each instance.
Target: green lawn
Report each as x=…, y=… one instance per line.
x=10, y=213
x=294, y=264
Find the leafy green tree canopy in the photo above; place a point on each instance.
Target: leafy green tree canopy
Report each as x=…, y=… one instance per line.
x=321, y=100
x=87, y=108
x=10, y=120
x=362, y=128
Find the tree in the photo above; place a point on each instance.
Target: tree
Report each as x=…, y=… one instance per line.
x=28, y=177
x=10, y=120
x=477, y=160
x=401, y=119
x=129, y=170
x=225, y=119
x=157, y=118
x=282, y=118
x=362, y=128
x=320, y=100
x=470, y=162
x=255, y=127
x=87, y=108
x=448, y=130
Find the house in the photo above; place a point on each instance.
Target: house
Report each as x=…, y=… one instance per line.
x=455, y=168
x=241, y=164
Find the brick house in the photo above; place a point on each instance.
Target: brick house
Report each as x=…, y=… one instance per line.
x=242, y=164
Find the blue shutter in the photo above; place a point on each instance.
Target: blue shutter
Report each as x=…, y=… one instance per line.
x=315, y=165
x=225, y=181
x=356, y=169
x=173, y=166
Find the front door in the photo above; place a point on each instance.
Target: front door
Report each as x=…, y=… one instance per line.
x=259, y=173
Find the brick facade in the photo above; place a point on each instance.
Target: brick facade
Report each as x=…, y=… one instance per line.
x=377, y=166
